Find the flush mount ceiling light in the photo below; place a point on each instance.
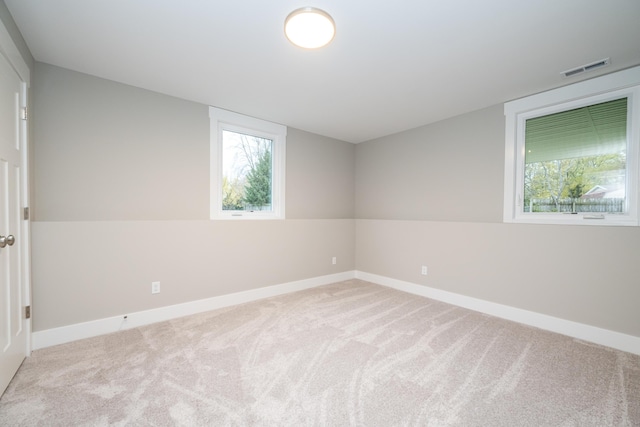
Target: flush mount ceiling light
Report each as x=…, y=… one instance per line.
x=309, y=27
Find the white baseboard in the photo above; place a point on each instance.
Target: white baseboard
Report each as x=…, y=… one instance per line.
x=65, y=334
x=617, y=340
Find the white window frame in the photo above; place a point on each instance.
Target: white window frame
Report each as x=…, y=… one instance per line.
x=224, y=120
x=624, y=83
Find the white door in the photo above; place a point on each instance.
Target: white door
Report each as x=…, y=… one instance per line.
x=14, y=331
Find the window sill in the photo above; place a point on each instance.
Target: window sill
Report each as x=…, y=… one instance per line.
x=574, y=219
x=247, y=216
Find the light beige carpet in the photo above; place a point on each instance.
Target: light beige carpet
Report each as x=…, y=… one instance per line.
x=352, y=353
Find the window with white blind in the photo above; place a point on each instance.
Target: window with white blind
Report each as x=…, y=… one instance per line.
x=572, y=154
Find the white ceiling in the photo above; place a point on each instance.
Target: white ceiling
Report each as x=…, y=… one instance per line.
x=393, y=65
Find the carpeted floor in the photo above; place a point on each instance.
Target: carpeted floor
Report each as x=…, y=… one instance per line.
x=351, y=353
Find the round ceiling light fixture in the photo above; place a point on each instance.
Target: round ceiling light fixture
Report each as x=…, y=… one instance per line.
x=309, y=27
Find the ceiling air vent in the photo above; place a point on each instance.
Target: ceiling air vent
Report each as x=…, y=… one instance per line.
x=588, y=67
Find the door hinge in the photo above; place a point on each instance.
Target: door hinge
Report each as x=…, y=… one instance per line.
x=27, y=312
x=24, y=113
x=25, y=213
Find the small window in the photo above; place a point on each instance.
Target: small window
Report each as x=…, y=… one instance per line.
x=574, y=160
x=247, y=167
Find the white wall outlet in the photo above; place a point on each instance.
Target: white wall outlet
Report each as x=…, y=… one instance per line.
x=334, y=260
x=155, y=287
x=424, y=270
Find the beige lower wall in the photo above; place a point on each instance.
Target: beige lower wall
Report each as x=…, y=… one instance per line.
x=589, y=275
x=96, y=269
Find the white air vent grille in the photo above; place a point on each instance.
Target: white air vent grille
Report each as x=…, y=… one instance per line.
x=587, y=67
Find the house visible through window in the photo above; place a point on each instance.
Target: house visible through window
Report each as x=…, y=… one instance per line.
x=572, y=153
x=575, y=161
x=247, y=167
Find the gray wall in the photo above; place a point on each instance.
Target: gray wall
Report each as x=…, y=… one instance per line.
x=448, y=171
x=104, y=151
x=121, y=189
x=14, y=32
x=107, y=151
x=121, y=199
x=433, y=196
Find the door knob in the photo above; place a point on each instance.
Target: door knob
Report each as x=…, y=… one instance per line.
x=8, y=240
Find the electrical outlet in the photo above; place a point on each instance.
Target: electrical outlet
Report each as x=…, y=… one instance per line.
x=155, y=287
x=334, y=260
x=424, y=270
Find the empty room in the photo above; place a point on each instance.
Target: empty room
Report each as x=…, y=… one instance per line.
x=323, y=213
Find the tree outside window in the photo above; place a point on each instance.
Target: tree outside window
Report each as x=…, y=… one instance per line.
x=247, y=172
x=575, y=160
x=248, y=167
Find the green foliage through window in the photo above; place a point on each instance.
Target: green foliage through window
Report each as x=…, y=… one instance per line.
x=575, y=160
x=258, y=189
x=247, y=172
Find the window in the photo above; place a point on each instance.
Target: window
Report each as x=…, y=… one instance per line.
x=247, y=167
x=572, y=153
